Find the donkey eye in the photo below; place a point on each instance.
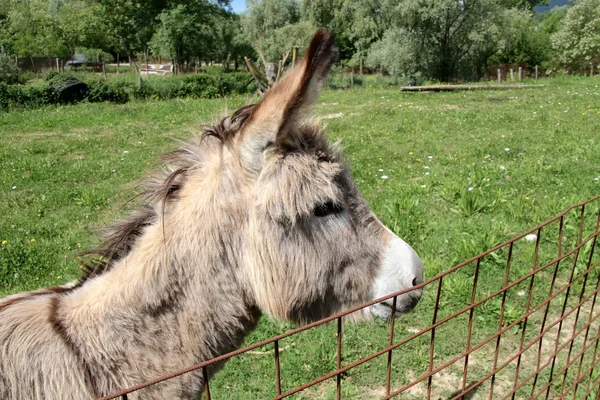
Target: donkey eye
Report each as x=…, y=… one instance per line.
x=323, y=210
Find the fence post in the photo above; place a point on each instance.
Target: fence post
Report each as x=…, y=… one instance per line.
x=512, y=77
x=57, y=64
x=104, y=69
x=520, y=73
x=591, y=69
x=361, y=67
x=536, y=72
x=352, y=78
x=294, y=55
x=499, y=76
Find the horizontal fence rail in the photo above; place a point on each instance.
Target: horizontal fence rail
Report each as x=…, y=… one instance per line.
x=516, y=321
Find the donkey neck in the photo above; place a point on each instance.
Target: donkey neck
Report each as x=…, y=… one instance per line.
x=177, y=294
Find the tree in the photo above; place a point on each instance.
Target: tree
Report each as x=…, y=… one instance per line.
x=29, y=30
x=131, y=22
x=441, y=34
x=522, y=39
x=263, y=22
x=577, y=41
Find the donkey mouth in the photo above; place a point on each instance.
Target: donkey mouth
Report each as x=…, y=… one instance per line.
x=403, y=307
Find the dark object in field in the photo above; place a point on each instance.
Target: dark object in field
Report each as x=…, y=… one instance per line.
x=68, y=89
x=449, y=88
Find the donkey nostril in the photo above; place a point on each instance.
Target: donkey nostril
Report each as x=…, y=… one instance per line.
x=415, y=282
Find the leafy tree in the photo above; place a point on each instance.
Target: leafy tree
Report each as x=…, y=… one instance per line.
x=131, y=22
x=522, y=39
x=441, y=34
x=577, y=40
x=263, y=22
x=30, y=30
x=80, y=23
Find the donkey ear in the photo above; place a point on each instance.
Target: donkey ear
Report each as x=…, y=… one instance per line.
x=288, y=101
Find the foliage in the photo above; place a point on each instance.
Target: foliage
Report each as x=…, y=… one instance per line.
x=434, y=37
x=266, y=20
x=207, y=85
x=185, y=31
x=104, y=90
x=577, y=41
x=9, y=71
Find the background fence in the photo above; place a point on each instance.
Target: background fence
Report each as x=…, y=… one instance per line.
x=517, y=321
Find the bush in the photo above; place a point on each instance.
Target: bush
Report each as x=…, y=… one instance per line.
x=29, y=96
x=115, y=92
x=9, y=71
x=62, y=88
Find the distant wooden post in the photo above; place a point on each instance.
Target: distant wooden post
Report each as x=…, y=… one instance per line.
x=32, y=64
x=512, y=78
x=361, y=67
x=499, y=76
x=104, y=69
x=352, y=78
x=57, y=64
x=294, y=55
x=62, y=65
x=520, y=73
x=536, y=72
x=591, y=69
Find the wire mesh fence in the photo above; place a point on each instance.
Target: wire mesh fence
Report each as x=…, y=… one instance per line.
x=516, y=321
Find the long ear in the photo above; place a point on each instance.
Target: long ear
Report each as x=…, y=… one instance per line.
x=288, y=102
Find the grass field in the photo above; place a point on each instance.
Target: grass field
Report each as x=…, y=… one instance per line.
x=451, y=173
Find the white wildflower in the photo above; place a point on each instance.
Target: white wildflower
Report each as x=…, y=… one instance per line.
x=470, y=189
x=531, y=237
x=14, y=187
x=423, y=186
x=506, y=149
x=380, y=169
x=384, y=176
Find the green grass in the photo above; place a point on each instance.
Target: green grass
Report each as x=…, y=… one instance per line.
x=465, y=171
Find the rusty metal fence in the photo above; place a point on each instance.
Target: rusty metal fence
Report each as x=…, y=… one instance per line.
x=525, y=325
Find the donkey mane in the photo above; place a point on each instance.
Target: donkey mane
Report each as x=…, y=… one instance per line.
x=155, y=192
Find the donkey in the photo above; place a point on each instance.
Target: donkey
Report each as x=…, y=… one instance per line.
x=259, y=215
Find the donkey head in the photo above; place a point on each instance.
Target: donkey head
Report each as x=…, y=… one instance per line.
x=310, y=244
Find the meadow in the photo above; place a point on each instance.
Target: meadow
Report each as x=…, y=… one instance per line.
x=453, y=174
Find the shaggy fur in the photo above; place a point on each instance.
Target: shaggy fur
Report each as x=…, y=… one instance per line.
x=258, y=215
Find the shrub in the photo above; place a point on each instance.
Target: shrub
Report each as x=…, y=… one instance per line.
x=29, y=96
x=101, y=90
x=9, y=71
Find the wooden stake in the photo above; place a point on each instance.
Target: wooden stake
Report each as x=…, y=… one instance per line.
x=294, y=55
x=361, y=67
x=499, y=76
x=520, y=73
x=512, y=77
x=536, y=72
